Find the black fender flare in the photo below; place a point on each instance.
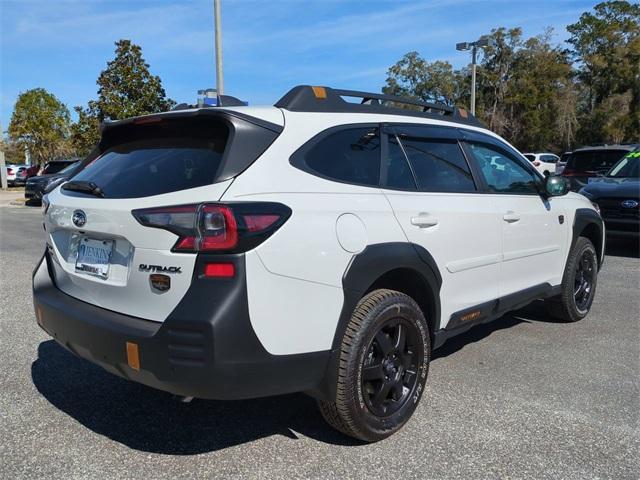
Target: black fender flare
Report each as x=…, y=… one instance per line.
x=361, y=274
x=584, y=218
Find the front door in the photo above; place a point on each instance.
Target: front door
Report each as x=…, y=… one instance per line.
x=532, y=227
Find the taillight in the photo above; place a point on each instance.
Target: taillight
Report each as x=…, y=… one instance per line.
x=212, y=227
x=536, y=163
x=9, y=171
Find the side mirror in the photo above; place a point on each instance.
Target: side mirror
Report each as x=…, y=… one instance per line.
x=556, y=186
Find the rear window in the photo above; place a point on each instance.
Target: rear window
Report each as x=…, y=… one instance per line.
x=158, y=162
x=54, y=167
x=438, y=165
x=530, y=157
x=599, y=161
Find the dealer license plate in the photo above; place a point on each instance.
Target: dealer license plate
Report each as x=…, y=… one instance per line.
x=93, y=257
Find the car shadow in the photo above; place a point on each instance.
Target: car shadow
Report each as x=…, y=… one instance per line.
x=149, y=420
x=534, y=312
x=623, y=247
x=153, y=421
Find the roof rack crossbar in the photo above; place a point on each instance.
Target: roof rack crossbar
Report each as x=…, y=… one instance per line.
x=305, y=98
x=426, y=106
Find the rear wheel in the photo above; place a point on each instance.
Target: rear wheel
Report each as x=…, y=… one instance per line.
x=578, y=284
x=384, y=360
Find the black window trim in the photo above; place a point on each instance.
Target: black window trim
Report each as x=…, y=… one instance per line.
x=461, y=135
x=297, y=159
x=391, y=128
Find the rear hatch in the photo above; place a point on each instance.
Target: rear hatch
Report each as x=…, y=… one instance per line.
x=584, y=164
x=102, y=254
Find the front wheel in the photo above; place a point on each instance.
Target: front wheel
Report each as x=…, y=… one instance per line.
x=383, y=366
x=578, y=284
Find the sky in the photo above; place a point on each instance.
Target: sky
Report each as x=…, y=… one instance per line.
x=269, y=46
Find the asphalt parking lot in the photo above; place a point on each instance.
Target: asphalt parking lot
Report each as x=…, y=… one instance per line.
x=522, y=397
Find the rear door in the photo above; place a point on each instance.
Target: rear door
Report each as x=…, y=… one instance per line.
x=436, y=201
x=101, y=253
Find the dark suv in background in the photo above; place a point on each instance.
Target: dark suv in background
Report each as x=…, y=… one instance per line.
x=55, y=173
x=617, y=195
x=587, y=162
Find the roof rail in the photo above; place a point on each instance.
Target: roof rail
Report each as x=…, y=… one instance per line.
x=305, y=98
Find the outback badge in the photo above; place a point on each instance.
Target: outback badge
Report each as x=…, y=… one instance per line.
x=159, y=282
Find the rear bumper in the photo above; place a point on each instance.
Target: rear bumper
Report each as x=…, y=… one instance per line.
x=206, y=348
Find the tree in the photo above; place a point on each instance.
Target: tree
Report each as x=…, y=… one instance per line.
x=539, y=97
x=126, y=89
x=412, y=76
x=494, y=78
x=13, y=153
x=525, y=88
x=606, y=48
x=85, y=133
x=40, y=123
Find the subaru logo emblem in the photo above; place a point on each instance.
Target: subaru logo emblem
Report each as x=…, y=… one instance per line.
x=79, y=218
x=630, y=203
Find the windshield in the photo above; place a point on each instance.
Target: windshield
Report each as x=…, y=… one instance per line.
x=628, y=167
x=594, y=161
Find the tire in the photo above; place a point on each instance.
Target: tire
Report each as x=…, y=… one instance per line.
x=574, y=301
x=381, y=377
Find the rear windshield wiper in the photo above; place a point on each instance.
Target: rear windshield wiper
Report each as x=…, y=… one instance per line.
x=84, y=187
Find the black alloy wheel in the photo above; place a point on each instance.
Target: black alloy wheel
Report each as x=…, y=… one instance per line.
x=390, y=365
x=583, y=281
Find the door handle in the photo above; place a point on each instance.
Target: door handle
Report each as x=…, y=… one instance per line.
x=424, y=220
x=511, y=217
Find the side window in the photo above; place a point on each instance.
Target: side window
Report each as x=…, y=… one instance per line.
x=438, y=165
x=549, y=158
x=398, y=170
x=502, y=173
x=351, y=155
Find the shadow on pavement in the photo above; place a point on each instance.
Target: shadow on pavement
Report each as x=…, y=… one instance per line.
x=534, y=312
x=623, y=247
x=153, y=421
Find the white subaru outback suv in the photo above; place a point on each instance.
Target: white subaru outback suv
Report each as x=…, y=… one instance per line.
x=319, y=246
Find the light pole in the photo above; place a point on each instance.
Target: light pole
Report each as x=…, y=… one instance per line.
x=473, y=46
x=218, y=36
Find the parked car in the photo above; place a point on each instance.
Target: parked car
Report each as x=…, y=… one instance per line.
x=617, y=195
x=37, y=186
x=562, y=162
x=24, y=172
x=55, y=166
x=316, y=246
x=11, y=174
x=545, y=163
x=590, y=162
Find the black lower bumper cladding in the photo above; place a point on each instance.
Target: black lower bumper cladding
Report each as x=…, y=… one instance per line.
x=206, y=348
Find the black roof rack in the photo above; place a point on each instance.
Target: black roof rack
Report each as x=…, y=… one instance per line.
x=305, y=98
